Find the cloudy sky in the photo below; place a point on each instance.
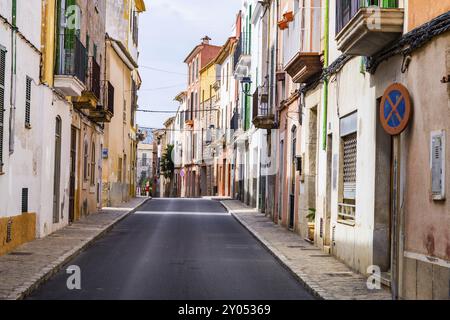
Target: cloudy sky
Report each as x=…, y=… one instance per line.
x=168, y=31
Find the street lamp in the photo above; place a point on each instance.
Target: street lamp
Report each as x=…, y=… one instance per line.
x=245, y=85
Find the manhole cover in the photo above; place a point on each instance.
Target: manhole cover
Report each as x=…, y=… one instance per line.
x=21, y=253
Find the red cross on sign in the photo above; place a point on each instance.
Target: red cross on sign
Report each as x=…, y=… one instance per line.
x=395, y=109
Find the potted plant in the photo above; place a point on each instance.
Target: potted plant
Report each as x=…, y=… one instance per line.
x=288, y=16
x=283, y=24
x=311, y=223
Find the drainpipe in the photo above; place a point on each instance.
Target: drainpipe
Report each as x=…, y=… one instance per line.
x=12, y=99
x=325, y=82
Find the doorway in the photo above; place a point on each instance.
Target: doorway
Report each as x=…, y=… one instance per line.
x=325, y=223
x=281, y=175
x=385, y=170
x=292, y=180
x=57, y=171
x=73, y=161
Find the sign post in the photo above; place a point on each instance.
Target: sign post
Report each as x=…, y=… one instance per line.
x=395, y=114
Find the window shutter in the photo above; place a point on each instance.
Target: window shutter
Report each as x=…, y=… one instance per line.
x=28, y=103
x=350, y=144
x=437, y=165
x=2, y=101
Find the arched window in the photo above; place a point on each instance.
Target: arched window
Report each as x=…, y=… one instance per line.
x=93, y=164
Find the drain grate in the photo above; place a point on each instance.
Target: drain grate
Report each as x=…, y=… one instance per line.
x=21, y=253
x=320, y=255
x=296, y=247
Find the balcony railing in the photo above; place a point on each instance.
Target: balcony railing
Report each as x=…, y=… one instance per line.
x=364, y=27
x=105, y=111
x=110, y=97
x=303, y=34
x=263, y=116
x=346, y=10
x=72, y=57
x=94, y=73
x=346, y=213
x=241, y=56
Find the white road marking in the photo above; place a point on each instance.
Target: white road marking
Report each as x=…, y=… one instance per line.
x=183, y=213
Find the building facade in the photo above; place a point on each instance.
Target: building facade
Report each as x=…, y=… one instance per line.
x=55, y=100
x=120, y=135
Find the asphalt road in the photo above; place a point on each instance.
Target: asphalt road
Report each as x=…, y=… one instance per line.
x=177, y=249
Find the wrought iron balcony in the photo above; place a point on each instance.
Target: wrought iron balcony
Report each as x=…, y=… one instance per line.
x=364, y=27
x=94, y=74
x=242, y=57
x=302, y=53
x=70, y=73
x=105, y=111
x=263, y=117
x=90, y=97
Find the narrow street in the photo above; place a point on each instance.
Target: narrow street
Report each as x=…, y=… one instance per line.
x=180, y=249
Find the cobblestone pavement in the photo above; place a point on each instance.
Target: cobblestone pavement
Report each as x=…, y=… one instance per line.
x=29, y=265
x=322, y=274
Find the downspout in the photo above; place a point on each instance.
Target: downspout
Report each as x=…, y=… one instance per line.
x=13, y=77
x=325, y=82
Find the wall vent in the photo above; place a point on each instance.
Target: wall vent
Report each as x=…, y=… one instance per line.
x=9, y=231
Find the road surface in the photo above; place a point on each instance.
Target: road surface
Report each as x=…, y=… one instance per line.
x=177, y=249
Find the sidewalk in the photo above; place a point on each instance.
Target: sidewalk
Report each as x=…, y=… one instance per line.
x=24, y=269
x=322, y=274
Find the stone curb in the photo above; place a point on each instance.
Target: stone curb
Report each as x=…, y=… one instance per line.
x=309, y=286
x=54, y=267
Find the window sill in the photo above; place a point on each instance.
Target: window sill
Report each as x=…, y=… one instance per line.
x=347, y=223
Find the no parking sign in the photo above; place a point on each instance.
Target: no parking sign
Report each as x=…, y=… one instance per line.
x=395, y=109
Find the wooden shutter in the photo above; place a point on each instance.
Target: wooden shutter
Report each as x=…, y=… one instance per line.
x=2, y=100
x=28, y=103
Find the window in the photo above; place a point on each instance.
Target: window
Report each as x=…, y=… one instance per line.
x=85, y=161
x=228, y=76
x=124, y=111
x=24, y=200
x=2, y=100
x=93, y=165
x=144, y=159
x=349, y=142
x=197, y=67
x=28, y=103
x=119, y=170
x=135, y=29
